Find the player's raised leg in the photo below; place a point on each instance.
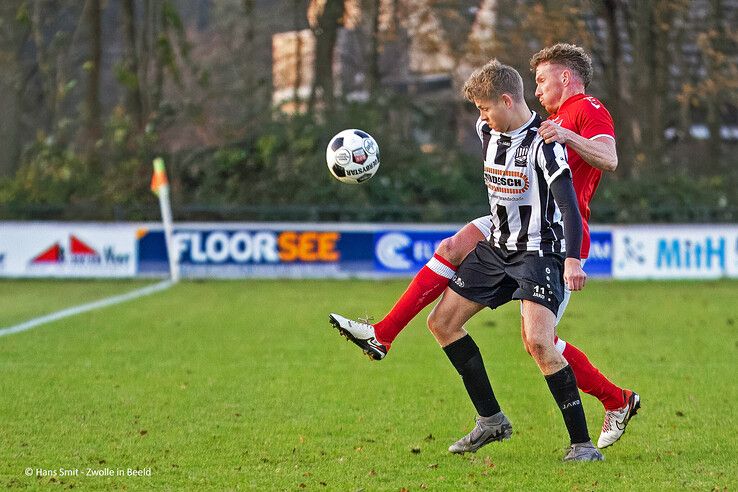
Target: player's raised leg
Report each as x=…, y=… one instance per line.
x=375, y=340
x=539, y=332
x=446, y=322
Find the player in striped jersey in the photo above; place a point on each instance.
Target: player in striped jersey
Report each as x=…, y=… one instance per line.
x=534, y=247
x=523, y=216
x=582, y=123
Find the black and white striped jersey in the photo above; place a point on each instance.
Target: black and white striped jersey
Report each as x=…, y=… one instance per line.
x=518, y=170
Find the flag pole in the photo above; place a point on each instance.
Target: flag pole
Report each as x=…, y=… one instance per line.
x=160, y=186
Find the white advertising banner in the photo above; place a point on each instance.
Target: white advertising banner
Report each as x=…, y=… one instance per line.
x=45, y=249
x=675, y=251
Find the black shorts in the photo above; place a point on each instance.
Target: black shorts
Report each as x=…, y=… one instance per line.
x=492, y=277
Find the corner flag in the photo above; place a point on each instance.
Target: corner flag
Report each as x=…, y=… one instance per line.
x=159, y=177
x=160, y=186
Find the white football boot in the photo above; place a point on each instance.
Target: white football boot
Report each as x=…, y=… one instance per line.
x=617, y=420
x=362, y=334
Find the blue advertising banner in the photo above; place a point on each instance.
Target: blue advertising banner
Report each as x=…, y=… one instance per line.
x=599, y=263
x=242, y=252
x=313, y=250
x=403, y=251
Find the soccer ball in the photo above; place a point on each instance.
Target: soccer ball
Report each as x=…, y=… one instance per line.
x=352, y=156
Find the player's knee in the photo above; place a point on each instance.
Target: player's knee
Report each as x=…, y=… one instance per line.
x=538, y=347
x=451, y=249
x=444, y=250
x=435, y=324
x=440, y=326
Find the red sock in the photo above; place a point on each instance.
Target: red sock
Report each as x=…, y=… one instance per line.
x=590, y=379
x=428, y=284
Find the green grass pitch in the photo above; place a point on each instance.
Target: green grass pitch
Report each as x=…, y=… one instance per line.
x=244, y=385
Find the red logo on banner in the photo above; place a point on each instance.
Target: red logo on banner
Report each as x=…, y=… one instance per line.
x=55, y=254
x=80, y=248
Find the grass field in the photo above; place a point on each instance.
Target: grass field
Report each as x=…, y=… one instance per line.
x=243, y=385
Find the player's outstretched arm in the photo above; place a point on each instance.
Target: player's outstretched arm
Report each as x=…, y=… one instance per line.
x=563, y=192
x=600, y=152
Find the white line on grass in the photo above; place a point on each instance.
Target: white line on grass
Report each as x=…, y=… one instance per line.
x=83, y=308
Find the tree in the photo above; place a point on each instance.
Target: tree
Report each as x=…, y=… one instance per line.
x=92, y=94
x=327, y=18
x=374, y=77
x=718, y=89
x=45, y=67
x=129, y=72
x=12, y=34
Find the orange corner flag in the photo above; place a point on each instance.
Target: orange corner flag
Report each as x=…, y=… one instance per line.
x=159, y=178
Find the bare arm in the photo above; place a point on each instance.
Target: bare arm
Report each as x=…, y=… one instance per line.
x=600, y=152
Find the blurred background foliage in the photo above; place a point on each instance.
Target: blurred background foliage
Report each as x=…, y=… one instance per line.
x=241, y=97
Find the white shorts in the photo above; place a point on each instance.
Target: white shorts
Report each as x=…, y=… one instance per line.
x=484, y=224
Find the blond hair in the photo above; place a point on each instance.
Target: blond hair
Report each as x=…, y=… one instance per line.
x=570, y=56
x=492, y=81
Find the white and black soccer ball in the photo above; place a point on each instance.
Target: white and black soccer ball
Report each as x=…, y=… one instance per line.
x=352, y=156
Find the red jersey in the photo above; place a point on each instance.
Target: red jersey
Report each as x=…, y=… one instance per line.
x=588, y=117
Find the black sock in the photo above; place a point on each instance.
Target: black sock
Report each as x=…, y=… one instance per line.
x=563, y=386
x=464, y=355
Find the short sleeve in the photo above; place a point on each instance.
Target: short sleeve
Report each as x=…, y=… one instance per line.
x=551, y=158
x=479, y=126
x=593, y=119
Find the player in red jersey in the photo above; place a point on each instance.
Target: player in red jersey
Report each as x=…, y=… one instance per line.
x=584, y=125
